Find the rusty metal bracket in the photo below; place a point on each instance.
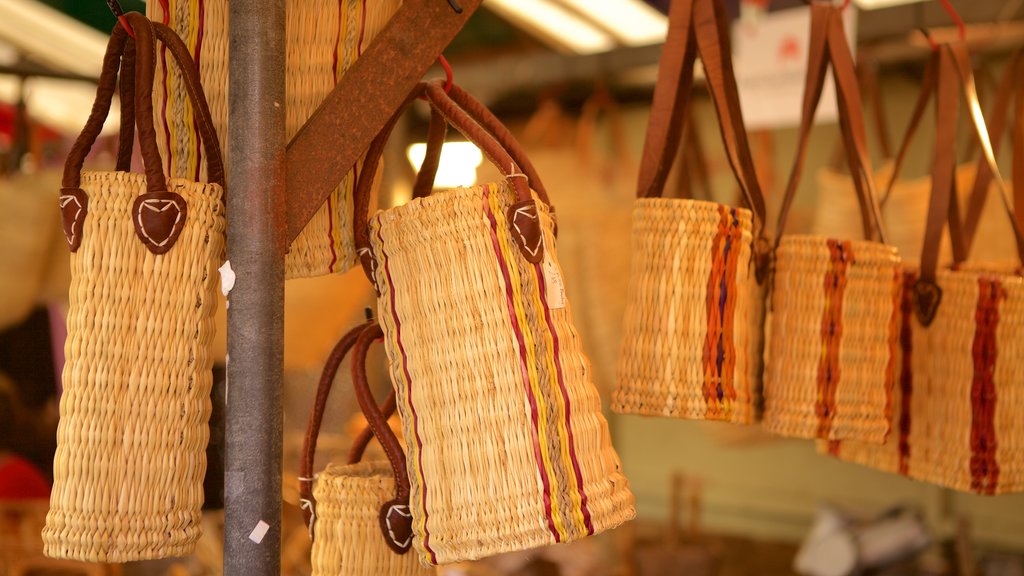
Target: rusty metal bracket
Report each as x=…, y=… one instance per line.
x=340, y=130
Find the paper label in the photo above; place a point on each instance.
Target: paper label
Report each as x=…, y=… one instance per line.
x=555, y=287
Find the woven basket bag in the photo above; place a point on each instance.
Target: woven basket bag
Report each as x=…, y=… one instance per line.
x=971, y=317
x=834, y=326
x=131, y=443
x=323, y=39
x=358, y=512
x=508, y=449
x=692, y=340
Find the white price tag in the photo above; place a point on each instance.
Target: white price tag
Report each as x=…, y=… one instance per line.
x=555, y=287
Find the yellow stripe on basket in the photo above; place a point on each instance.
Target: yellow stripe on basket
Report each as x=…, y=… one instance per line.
x=511, y=255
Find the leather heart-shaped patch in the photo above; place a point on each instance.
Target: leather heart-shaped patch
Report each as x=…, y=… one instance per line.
x=525, y=222
x=927, y=297
x=74, y=205
x=396, y=523
x=159, y=218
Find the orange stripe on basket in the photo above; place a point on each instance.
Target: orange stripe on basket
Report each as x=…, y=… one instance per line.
x=984, y=468
x=416, y=466
x=538, y=449
x=906, y=309
x=834, y=285
x=719, y=346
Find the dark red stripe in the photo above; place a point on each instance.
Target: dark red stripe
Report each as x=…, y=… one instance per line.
x=167, y=80
x=196, y=56
x=337, y=44
x=906, y=369
x=984, y=468
x=713, y=336
x=542, y=287
x=829, y=371
x=408, y=391
x=523, y=366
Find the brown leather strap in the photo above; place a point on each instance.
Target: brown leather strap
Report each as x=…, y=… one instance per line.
x=697, y=27
x=316, y=417
x=436, y=132
x=362, y=441
x=1011, y=89
x=828, y=46
x=100, y=108
x=395, y=520
x=126, y=85
x=962, y=60
x=923, y=96
x=143, y=107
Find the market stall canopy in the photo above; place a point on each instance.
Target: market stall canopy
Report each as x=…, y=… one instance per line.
x=56, y=57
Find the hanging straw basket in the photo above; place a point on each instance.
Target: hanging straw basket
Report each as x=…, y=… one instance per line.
x=835, y=321
x=508, y=448
x=323, y=39
x=693, y=325
x=131, y=444
x=350, y=534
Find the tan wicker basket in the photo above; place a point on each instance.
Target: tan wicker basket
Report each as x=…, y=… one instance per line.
x=131, y=444
x=692, y=339
x=324, y=38
x=835, y=306
x=344, y=508
x=508, y=448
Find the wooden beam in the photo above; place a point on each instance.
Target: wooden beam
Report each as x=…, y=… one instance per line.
x=338, y=133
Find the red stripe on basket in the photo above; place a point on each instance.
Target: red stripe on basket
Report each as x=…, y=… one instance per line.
x=510, y=302
x=713, y=339
x=408, y=397
x=584, y=509
x=337, y=45
x=834, y=285
x=196, y=56
x=906, y=370
x=984, y=468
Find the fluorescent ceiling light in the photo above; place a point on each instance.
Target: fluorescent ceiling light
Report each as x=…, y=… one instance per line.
x=632, y=22
x=554, y=24
x=458, y=164
x=878, y=4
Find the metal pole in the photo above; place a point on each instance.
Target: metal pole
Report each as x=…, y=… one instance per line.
x=256, y=249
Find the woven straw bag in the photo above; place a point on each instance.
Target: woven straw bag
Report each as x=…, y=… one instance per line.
x=323, y=39
x=358, y=512
x=693, y=326
x=128, y=472
x=508, y=448
x=27, y=227
x=834, y=326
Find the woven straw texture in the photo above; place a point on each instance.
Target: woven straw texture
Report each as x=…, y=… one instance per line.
x=348, y=541
x=693, y=337
x=508, y=449
x=833, y=337
x=904, y=449
x=904, y=214
x=323, y=39
x=28, y=227
x=131, y=444
x=975, y=383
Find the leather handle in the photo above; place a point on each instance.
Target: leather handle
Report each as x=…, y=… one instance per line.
x=112, y=61
x=1011, y=88
x=316, y=417
x=827, y=47
x=697, y=27
x=126, y=87
x=362, y=441
x=145, y=58
x=436, y=132
x=395, y=519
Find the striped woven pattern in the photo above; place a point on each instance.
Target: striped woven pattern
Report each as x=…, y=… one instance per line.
x=131, y=444
x=904, y=449
x=323, y=39
x=348, y=540
x=834, y=337
x=692, y=342
x=508, y=449
x=976, y=380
